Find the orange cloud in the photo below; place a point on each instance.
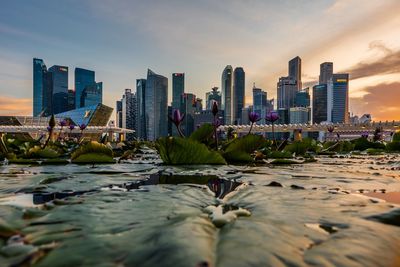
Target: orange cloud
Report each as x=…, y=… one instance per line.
x=381, y=100
x=15, y=106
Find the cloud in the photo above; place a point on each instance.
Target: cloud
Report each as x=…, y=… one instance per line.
x=388, y=64
x=381, y=100
x=15, y=106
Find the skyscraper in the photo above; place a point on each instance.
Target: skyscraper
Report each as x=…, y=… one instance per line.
x=303, y=98
x=92, y=95
x=320, y=103
x=188, y=107
x=156, y=101
x=60, y=88
x=71, y=99
x=213, y=96
x=47, y=94
x=129, y=112
x=287, y=89
x=340, y=98
x=326, y=72
x=238, y=99
x=141, y=109
x=178, y=89
x=260, y=103
x=227, y=97
x=295, y=71
x=39, y=69
x=83, y=78
x=118, y=113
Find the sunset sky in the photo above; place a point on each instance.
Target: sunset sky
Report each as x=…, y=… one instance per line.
x=121, y=39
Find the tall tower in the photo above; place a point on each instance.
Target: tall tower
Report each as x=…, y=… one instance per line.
x=178, y=89
x=83, y=78
x=295, y=71
x=238, y=95
x=129, y=112
x=156, y=102
x=60, y=88
x=141, y=109
x=325, y=72
x=227, y=97
x=39, y=70
x=340, y=98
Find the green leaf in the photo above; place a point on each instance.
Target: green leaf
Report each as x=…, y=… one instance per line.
x=92, y=152
x=240, y=149
x=178, y=150
x=203, y=134
x=38, y=152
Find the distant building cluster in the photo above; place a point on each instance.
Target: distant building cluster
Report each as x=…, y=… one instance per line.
x=145, y=108
x=51, y=94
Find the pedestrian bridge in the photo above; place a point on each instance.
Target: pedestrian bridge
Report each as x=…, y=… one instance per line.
x=388, y=126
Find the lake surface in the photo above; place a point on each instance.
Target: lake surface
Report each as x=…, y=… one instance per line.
x=329, y=213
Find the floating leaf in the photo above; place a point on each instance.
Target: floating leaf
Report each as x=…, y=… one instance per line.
x=240, y=149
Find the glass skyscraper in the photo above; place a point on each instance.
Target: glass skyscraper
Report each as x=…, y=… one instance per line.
x=226, y=97
x=260, y=103
x=302, y=98
x=320, y=103
x=213, y=96
x=325, y=72
x=60, y=88
x=83, y=78
x=178, y=88
x=238, y=95
x=287, y=89
x=295, y=71
x=129, y=112
x=141, y=109
x=39, y=69
x=156, y=101
x=92, y=95
x=340, y=98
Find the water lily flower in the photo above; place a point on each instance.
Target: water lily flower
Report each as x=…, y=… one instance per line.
x=217, y=123
x=71, y=127
x=82, y=126
x=330, y=128
x=365, y=135
x=272, y=116
x=49, y=128
x=253, y=118
x=63, y=123
x=177, y=119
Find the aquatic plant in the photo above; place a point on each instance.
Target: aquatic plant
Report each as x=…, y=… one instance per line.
x=378, y=134
x=92, y=152
x=301, y=147
x=253, y=118
x=62, y=124
x=272, y=117
x=216, y=122
x=38, y=152
x=203, y=134
x=50, y=128
x=363, y=144
x=176, y=151
x=365, y=135
x=240, y=149
x=177, y=119
x=82, y=127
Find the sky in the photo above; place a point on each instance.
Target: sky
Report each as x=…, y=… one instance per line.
x=120, y=39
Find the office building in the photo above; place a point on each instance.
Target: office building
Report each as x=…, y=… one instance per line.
x=60, y=88
x=213, y=96
x=326, y=72
x=245, y=115
x=92, y=95
x=320, y=103
x=188, y=107
x=227, y=94
x=128, y=110
x=156, y=102
x=118, y=113
x=47, y=94
x=340, y=98
x=299, y=115
x=141, y=130
x=206, y=116
x=303, y=98
x=178, y=89
x=71, y=99
x=238, y=99
x=83, y=78
x=260, y=103
x=39, y=69
x=286, y=92
x=295, y=71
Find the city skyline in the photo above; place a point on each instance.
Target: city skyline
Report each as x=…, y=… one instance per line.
x=373, y=60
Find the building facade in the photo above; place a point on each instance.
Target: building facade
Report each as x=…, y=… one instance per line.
x=340, y=98
x=92, y=95
x=60, y=88
x=141, y=130
x=178, y=89
x=286, y=92
x=260, y=102
x=320, y=103
x=227, y=94
x=156, y=102
x=295, y=71
x=299, y=115
x=303, y=98
x=83, y=78
x=129, y=112
x=213, y=96
x=39, y=70
x=325, y=72
x=238, y=94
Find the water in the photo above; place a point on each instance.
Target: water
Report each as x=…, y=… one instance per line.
x=327, y=213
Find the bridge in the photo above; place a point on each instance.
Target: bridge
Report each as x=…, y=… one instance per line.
x=329, y=130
